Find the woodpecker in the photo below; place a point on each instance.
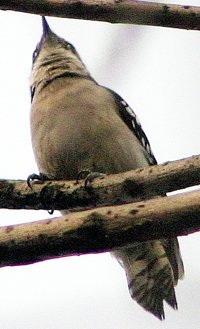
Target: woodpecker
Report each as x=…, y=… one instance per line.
x=77, y=124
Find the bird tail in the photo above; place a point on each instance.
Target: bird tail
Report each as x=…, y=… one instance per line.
x=150, y=274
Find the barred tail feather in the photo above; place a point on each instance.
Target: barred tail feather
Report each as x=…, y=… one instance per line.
x=150, y=275
x=172, y=250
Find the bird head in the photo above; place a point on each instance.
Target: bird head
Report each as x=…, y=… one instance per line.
x=54, y=57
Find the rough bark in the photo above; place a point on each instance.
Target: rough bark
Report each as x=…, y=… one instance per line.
x=113, y=11
x=113, y=189
x=101, y=229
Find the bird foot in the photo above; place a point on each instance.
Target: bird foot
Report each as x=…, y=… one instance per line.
x=91, y=176
x=40, y=178
x=82, y=174
x=88, y=175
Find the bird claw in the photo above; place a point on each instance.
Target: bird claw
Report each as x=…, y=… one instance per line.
x=41, y=178
x=88, y=175
x=91, y=176
x=82, y=174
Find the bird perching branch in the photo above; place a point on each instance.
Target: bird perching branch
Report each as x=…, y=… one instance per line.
x=111, y=190
x=106, y=227
x=100, y=230
x=113, y=11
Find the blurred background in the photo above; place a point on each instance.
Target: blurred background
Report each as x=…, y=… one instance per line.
x=157, y=71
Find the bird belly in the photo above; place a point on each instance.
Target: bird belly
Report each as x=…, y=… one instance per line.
x=81, y=135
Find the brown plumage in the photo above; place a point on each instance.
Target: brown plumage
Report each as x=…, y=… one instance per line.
x=77, y=124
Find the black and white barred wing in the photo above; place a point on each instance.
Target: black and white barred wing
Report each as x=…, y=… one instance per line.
x=130, y=118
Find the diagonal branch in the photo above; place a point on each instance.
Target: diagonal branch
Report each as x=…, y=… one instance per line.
x=113, y=189
x=113, y=11
x=99, y=230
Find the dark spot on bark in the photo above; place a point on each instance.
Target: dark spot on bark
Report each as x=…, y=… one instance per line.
x=12, y=242
x=139, y=170
x=109, y=212
x=41, y=237
x=165, y=163
x=133, y=211
x=92, y=229
x=9, y=229
x=141, y=206
x=132, y=188
x=28, y=237
x=117, y=201
x=165, y=8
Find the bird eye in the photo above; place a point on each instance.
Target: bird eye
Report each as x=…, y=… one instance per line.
x=69, y=46
x=35, y=54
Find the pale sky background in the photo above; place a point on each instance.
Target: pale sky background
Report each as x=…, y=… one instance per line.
x=157, y=71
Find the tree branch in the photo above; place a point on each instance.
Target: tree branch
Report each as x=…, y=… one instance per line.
x=99, y=230
x=113, y=11
x=113, y=189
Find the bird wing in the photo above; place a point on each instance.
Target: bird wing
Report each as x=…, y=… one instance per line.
x=130, y=118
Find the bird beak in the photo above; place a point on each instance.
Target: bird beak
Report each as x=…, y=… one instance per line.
x=45, y=26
